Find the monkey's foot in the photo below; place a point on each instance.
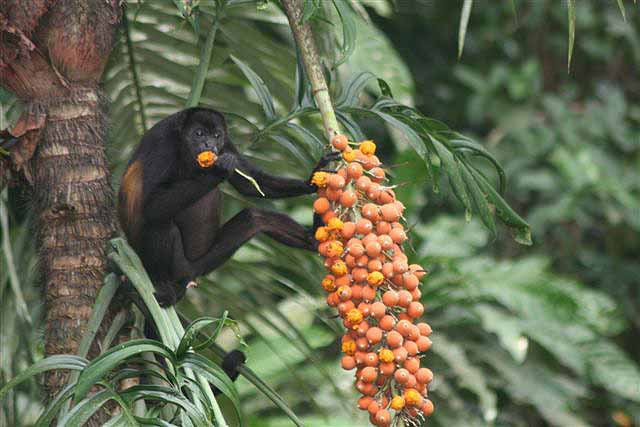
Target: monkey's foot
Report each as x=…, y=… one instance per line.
x=166, y=295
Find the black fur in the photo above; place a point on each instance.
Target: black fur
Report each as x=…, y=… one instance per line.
x=170, y=207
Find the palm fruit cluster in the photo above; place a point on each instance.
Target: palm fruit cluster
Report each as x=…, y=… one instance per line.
x=375, y=289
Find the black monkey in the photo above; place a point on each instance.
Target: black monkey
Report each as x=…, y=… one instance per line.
x=170, y=206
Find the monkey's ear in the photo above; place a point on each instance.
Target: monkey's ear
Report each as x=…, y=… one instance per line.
x=220, y=118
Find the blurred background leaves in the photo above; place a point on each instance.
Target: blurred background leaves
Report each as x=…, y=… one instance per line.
x=524, y=336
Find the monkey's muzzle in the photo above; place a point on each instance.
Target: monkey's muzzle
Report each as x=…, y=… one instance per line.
x=206, y=159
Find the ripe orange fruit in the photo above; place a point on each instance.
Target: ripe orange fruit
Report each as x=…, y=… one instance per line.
x=378, y=309
x=387, y=368
x=348, y=198
x=410, y=281
x=404, y=298
x=335, y=181
x=425, y=329
x=340, y=142
x=398, y=235
x=427, y=407
x=368, y=293
x=404, y=327
x=321, y=205
x=383, y=418
x=401, y=376
x=371, y=359
x=400, y=355
x=423, y=343
x=415, y=309
x=377, y=174
x=411, y=347
x=364, y=402
x=394, y=339
x=348, y=363
x=424, y=375
x=412, y=364
x=363, y=183
x=369, y=374
x=364, y=226
x=387, y=323
x=354, y=170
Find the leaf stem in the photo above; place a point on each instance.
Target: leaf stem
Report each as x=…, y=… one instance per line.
x=134, y=72
x=304, y=39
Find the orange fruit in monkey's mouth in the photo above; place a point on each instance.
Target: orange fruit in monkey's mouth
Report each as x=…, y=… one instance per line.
x=206, y=159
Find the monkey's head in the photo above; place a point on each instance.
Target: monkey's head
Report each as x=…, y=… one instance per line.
x=203, y=133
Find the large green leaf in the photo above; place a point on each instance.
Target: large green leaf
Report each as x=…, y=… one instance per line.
x=464, y=22
x=75, y=363
x=86, y=408
x=471, y=377
x=348, y=18
x=215, y=375
x=260, y=88
x=106, y=362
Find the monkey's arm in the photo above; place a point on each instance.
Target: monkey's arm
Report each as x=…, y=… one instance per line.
x=272, y=186
x=167, y=201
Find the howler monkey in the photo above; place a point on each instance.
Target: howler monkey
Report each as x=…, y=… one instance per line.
x=170, y=205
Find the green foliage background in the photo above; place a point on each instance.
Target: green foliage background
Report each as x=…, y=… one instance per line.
x=545, y=335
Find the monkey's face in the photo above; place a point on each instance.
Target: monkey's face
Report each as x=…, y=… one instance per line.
x=204, y=138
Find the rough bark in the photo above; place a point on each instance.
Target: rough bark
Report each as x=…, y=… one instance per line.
x=52, y=54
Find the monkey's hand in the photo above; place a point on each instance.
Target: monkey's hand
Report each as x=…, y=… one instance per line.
x=226, y=163
x=322, y=163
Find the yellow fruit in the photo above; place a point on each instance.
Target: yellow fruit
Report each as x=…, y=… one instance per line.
x=329, y=284
x=322, y=234
x=385, y=355
x=339, y=268
x=354, y=317
x=334, y=249
x=412, y=397
x=319, y=179
x=375, y=278
x=349, y=347
x=367, y=147
x=335, y=224
x=397, y=403
x=349, y=155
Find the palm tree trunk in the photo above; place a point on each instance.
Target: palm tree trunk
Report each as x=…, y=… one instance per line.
x=52, y=54
x=73, y=203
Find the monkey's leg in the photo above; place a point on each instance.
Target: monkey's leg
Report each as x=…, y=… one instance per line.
x=199, y=224
x=241, y=228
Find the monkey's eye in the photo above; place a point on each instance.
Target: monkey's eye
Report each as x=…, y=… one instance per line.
x=199, y=133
